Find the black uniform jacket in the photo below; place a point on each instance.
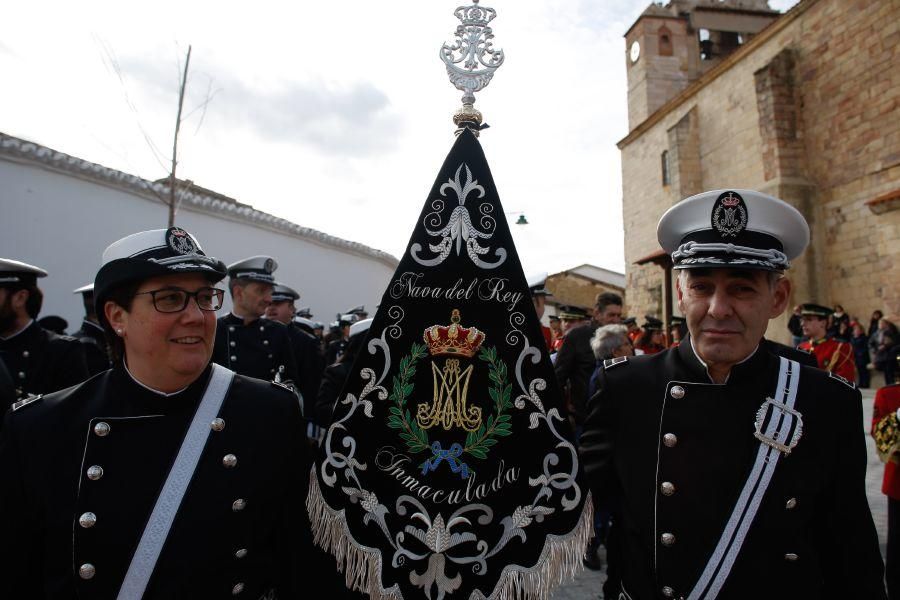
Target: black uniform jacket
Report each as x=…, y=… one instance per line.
x=40, y=361
x=310, y=365
x=96, y=350
x=574, y=365
x=241, y=528
x=813, y=535
x=255, y=350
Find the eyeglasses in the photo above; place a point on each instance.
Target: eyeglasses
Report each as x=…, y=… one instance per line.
x=174, y=300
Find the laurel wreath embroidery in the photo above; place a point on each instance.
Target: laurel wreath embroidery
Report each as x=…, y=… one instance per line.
x=478, y=442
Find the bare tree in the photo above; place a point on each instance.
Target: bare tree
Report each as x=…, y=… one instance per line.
x=172, y=181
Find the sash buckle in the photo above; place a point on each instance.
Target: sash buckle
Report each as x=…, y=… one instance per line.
x=778, y=410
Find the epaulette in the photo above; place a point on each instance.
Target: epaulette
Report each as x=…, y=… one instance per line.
x=843, y=380
x=804, y=350
x=609, y=363
x=25, y=402
x=283, y=386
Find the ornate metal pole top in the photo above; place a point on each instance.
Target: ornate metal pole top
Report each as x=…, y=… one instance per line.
x=471, y=60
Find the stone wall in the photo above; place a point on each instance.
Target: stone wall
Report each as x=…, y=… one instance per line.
x=808, y=111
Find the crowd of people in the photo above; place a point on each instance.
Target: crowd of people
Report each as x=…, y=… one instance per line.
x=162, y=452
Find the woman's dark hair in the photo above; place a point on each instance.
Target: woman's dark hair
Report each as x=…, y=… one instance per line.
x=646, y=337
x=122, y=295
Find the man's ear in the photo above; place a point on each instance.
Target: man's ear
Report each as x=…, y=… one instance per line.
x=19, y=300
x=780, y=297
x=679, y=293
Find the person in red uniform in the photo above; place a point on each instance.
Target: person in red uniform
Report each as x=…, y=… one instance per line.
x=887, y=405
x=539, y=294
x=832, y=355
x=651, y=341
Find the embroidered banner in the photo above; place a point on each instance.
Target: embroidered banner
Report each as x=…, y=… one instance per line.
x=447, y=471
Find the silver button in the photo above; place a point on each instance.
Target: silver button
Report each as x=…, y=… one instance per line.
x=233, y=358
x=667, y=539
x=21, y=375
x=670, y=439
x=101, y=429
x=95, y=472
x=87, y=571
x=261, y=328
x=229, y=460
x=232, y=343
x=677, y=392
x=265, y=342
x=667, y=488
x=231, y=328
x=791, y=556
x=238, y=505
x=25, y=354
x=218, y=424
x=241, y=553
x=791, y=503
x=87, y=520
x=667, y=591
x=237, y=589
x=271, y=370
x=270, y=356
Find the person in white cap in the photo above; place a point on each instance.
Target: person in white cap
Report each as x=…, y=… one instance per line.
x=245, y=342
x=91, y=335
x=38, y=361
x=166, y=476
x=734, y=471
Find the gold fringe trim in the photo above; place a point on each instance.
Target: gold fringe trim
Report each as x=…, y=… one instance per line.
x=560, y=560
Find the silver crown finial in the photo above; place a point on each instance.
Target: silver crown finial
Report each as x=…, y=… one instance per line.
x=471, y=60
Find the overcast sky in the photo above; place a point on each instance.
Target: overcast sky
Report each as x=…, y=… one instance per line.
x=336, y=115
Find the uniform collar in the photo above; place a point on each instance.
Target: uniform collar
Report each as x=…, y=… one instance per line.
x=90, y=324
x=743, y=371
x=27, y=325
x=233, y=319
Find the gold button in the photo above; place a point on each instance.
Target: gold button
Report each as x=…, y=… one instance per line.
x=238, y=505
x=95, y=472
x=87, y=571
x=670, y=439
x=791, y=503
x=87, y=520
x=218, y=424
x=229, y=460
x=791, y=556
x=677, y=392
x=667, y=591
x=667, y=539
x=237, y=589
x=241, y=553
x=667, y=488
x=101, y=429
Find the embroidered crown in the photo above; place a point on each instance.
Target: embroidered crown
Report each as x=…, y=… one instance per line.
x=453, y=339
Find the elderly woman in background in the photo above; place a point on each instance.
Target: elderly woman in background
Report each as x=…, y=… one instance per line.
x=166, y=476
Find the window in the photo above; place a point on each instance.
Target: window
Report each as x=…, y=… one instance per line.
x=664, y=160
x=665, y=41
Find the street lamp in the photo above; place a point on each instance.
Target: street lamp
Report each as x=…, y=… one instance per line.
x=521, y=220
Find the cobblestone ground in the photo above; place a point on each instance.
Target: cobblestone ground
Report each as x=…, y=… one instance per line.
x=587, y=584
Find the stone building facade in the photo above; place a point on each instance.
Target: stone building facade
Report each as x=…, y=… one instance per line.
x=804, y=106
x=579, y=286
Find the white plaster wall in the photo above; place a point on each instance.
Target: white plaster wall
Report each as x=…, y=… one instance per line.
x=62, y=223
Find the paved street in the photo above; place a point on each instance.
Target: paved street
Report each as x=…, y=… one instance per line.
x=587, y=584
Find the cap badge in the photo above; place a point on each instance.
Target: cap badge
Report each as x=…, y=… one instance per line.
x=180, y=241
x=729, y=216
x=269, y=265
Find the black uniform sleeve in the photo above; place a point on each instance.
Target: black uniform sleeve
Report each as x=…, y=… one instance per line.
x=332, y=383
x=20, y=561
x=848, y=542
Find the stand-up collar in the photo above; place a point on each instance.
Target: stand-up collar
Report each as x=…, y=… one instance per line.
x=233, y=319
x=30, y=324
x=742, y=372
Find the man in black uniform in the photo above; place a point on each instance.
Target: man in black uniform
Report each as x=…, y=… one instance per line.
x=734, y=472
x=245, y=343
x=97, y=475
x=39, y=361
x=91, y=334
x=310, y=362
x=575, y=362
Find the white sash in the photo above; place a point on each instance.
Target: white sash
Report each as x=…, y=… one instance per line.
x=157, y=529
x=784, y=422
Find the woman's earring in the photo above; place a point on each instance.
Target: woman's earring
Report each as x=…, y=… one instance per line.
x=119, y=332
